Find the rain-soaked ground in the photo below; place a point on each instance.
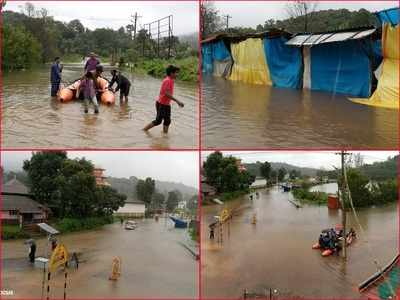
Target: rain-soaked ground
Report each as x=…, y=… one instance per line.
x=154, y=263
x=239, y=115
x=276, y=252
x=31, y=119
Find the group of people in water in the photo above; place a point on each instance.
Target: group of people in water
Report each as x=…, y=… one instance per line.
x=92, y=85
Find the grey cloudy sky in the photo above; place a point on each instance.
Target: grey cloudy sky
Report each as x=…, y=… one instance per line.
x=166, y=166
x=256, y=12
x=311, y=159
x=114, y=14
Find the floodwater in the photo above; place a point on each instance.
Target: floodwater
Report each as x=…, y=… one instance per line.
x=276, y=252
x=153, y=264
x=237, y=115
x=32, y=119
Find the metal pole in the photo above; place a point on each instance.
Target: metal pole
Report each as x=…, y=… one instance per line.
x=169, y=37
x=344, y=198
x=158, y=39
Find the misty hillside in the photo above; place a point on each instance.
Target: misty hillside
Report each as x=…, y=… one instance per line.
x=128, y=186
x=254, y=168
x=123, y=185
x=192, y=39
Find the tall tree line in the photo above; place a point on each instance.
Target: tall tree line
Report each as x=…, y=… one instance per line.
x=33, y=36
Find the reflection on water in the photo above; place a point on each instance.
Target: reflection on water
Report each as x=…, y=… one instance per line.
x=153, y=264
x=242, y=115
x=32, y=119
x=276, y=252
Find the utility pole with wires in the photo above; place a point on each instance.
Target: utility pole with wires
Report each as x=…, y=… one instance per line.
x=343, y=196
x=227, y=17
x=134, y=20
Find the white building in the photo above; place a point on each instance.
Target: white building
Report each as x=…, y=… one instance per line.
x=182, y=205
x=131, y=209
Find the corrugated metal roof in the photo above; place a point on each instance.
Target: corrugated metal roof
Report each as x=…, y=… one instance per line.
x=330, y=37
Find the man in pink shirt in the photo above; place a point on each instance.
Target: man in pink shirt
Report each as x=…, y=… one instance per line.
x=163, y=104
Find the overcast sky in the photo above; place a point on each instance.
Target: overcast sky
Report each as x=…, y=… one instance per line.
x=257, y=12
x=114, y=14
x=166, y=166
x=311, y=159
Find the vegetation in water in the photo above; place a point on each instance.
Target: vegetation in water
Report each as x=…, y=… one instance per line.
x=156, y=67
x=308, y=196
x=11, y=232
x=73, y=224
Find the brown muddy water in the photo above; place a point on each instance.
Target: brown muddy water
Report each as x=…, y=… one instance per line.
x=153, y=264
x=239, y=115
x=31, y=119
x=276, y=252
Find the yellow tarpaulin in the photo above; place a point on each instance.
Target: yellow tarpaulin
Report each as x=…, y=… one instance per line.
x=387, y=91
x=250, y=63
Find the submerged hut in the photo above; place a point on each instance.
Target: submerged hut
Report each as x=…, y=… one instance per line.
x=357, y=62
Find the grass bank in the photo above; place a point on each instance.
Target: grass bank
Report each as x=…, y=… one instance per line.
x=305, y=195
x=156, y=68
x=65, y=225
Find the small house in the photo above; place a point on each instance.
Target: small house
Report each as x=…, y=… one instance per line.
x=132, y=209
x=19, y=207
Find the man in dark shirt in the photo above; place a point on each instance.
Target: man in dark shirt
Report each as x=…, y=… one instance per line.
x=55, y=76
x=123, y=84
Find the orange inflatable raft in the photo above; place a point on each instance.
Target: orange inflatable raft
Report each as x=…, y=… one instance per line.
x=68, y=93
x=107, y=97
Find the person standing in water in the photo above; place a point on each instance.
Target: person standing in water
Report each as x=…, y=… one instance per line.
x=55, y=76
x=163, y=104
x=89, y=93
x=91, y=63
x=123, y=85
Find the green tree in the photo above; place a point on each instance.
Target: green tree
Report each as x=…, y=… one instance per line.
x=173, y=199
x=265, y=170
x=281, y=174
x=20, y=49
x=42, y=169
x=157, y=201
x=108, y=200
x=357, y=182
x=223, y=173
x=145, y=190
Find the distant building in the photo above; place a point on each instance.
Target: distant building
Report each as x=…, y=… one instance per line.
x=206, y=189
x=182, y=205
x=18, y=207
x=131, y=209
x=99, y=175
x=240, y=166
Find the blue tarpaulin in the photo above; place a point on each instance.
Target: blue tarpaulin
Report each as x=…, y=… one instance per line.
x=207, y=58
x=391, y=16
x=341, y=68
x=220, y=52
x=284, y=63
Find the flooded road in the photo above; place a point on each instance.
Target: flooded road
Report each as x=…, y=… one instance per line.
x=31, y=119
x=276, y=252
x=239, y=115
x=153, y=264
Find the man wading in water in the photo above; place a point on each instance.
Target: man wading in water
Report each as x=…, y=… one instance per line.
x=163, y=104
x=55, y=76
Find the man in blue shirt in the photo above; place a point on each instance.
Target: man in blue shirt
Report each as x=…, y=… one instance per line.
x=55, y=76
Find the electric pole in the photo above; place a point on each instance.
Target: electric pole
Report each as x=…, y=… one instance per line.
x=134, y=20
x=343, y=200
x=227, y=17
